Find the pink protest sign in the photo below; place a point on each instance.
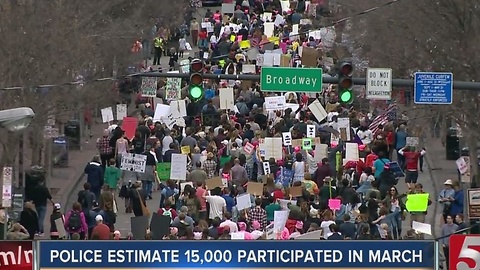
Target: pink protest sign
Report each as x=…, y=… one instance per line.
x=249, y=148
x=283, y=46
x=334, y=204
x=239, y=38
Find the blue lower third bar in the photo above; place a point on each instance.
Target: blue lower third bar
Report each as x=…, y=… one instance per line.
x=236, y=255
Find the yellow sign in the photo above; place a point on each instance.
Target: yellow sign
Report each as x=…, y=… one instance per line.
x=185, y=150
x=274, y=40
x=244, y=44
x=417, y=202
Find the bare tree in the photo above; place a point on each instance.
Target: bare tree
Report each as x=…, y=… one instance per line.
x=55, y=42
x=411, y=36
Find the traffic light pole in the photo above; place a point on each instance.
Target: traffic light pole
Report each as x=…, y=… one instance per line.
x=457, y=85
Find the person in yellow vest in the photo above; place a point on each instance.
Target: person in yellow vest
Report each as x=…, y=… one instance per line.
x=158, y=44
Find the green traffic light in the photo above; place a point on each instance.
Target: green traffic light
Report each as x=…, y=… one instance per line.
x=196, y=92
x=346, y=96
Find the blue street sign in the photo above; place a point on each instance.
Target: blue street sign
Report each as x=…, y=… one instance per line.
x=433, y=88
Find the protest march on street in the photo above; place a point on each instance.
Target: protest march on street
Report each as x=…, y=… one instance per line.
x=286, y=157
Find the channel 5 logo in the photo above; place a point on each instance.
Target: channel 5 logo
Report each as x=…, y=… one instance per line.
x=464, y=252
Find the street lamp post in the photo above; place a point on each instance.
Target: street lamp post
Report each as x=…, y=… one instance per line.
x=14, y=120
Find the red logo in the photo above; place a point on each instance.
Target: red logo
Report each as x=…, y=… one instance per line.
x=16, y=255
x=464, y=252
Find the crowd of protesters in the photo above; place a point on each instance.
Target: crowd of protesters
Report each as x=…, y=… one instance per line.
x=371, y=205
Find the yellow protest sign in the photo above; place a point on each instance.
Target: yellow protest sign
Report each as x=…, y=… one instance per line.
x=274, y=40
x=244, y=44
x=233, y=38
x=417, y=202
x=185, y=150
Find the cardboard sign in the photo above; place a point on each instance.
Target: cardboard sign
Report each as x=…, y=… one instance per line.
x=255, y=188
x=296, y=191
x=185, y=150
x=214, y=182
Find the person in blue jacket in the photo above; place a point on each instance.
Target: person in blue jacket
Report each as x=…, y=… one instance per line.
x=94, y=172
x=456, y=206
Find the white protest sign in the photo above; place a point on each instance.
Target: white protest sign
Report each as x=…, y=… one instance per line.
x=274, y=103
x=133, y=162
x=227, y=100
x=121, y=111
x=421, y=227
x=228, y=8
x=287, y=138
x=244, y=201
x=279, y=220
x=107, y=115
x=351, y=152
x=311, y=130
x=179, y=170
x=379, y=83
x=317, y=110
x=462, y=165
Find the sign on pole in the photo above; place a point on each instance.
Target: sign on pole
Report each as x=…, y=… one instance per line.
x=276, y=79
x=433, y=88
x=7, y=187
x=473, y=205
x=133, y=162
x=379, y=83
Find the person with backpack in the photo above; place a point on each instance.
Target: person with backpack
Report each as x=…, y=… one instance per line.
x=167, y=210
x=86, y=198
x=75, y=222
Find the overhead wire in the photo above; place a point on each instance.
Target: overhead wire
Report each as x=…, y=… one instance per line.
x=82, y=82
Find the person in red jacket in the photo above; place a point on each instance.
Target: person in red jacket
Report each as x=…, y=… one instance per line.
x=411, y=160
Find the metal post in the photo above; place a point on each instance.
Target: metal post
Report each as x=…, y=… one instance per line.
x=458, y=85
x=21, y=168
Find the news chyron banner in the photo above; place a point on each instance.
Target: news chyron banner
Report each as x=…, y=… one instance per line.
x=57, y=255
x=16, y=255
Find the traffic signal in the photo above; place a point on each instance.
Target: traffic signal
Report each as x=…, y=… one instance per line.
x=196, y=79
x=345, y=83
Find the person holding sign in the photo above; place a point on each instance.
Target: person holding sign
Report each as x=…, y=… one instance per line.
x=411, y=158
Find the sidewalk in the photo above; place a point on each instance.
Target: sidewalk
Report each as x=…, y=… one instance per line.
x=439, y=168
x=64, y=179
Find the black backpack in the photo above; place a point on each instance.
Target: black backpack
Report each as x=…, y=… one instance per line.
x=75, y=221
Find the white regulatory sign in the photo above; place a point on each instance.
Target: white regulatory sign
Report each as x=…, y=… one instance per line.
x=379, y=83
